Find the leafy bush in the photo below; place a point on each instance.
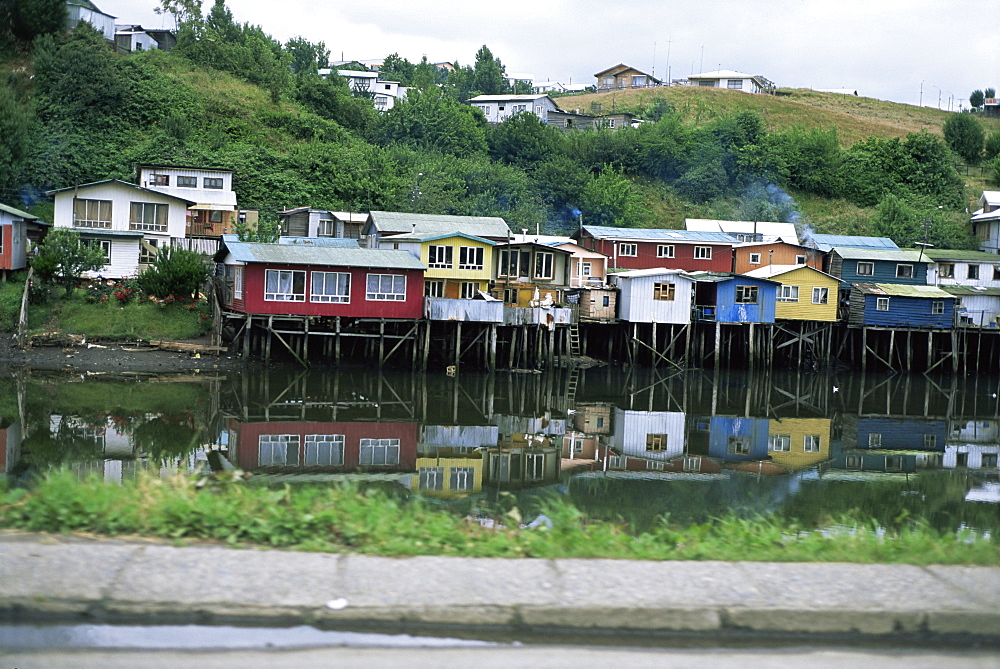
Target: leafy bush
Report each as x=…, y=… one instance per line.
x=174, y=272
x=964, y=135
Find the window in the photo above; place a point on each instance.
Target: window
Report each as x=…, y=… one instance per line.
x=882, y=304
x=431, y=478
x=946, y=270
x=500, y=108
x=866, y=269
x=735, y=84
x=433, y=288
x=988, y=461
x=853, y=462
x=609, y=81
x=238, y=283
x=534, y=467
x=486, y=109
x=325, y=228
x=628, y=250
x=996, y=272
x=747, y=295
x=510, y=261
x=381, y=101
x=904, y=271
x=187, y=182
x=638, y=81
x=606, y=301
x=463, y=478
x=800, y=260
x=213, y=183
x=930, y=441
x=703, y=253
x=665, y=251
x=611, y=123
x=468, y=290
x=470, y=257
x=810, y=443
x=821, y=295
x=737, y=445
x=148, y=251
x=745, y=237
x=893, y=463
x=875, y=440
x=91, y=213
x=284, y=285
x=148, y=216
x=331, y=287
x=387, y=287
x=277, y=449
x=973, y=271
x=652, y=464
x=510, y=295
x=691, y=464
x=664, y=291
x=215, y=216
x=159, y=180
x=707, y=84
x=439, y=257
x=780, y=443
x=656, y=442
x=937, y=307
x=324, y=449
x=379, y=452
x=543, y=265
x=754, y=258
x=585, y=269
x=103, y=244
x=788, y=293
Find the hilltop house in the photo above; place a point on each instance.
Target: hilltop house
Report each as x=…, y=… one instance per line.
x=498, y=108
x=383, y=93
x=85, y=10
x=623, y=76
x=733, y=81
x=986, y=222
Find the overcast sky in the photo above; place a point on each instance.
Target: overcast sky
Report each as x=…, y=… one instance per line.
x=882, y=48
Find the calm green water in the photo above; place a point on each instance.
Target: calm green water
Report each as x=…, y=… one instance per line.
x=618, y=444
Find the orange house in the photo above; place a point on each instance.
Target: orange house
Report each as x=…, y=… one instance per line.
x=754, y=255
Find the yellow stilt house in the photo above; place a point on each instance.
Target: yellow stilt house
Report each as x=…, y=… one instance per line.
x=459, y=265
x=804, y=293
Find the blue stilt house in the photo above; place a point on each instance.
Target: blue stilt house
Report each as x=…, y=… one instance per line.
x=900, y=306
x=725, y=297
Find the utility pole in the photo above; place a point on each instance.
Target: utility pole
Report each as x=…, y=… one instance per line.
x=701, y=65
x=668, y=61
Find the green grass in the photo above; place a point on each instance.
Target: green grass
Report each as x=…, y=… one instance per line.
x=347, y=518
x=110, y=321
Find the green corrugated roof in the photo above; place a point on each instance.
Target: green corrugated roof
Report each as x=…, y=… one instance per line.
x=332, y=256
x=403, y=222
x=902, y=290
x=17, y=212
x=958, y=254
x=970, y=290
x=904, y=255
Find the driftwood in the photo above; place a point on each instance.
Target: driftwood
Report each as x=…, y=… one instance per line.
x=185, y=347
x=56, y=339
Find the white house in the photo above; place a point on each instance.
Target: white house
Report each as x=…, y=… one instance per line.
x=986, y=222
x=950, y=267
x=85, y=10
x=747, y=231
x=653, y=435
x=655, y=295
x=732, y=80
x=498, y=108
x=384, y=93
x=213, y=209
x=132, y=37
x=128, y=222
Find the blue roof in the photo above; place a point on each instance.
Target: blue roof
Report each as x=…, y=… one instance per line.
x=827, y=242
x=658, y=234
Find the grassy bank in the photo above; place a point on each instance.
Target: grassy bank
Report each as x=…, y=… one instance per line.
x=348, y=518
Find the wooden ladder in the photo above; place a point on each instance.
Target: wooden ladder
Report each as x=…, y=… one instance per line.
x=574, y=340
x=571, y=384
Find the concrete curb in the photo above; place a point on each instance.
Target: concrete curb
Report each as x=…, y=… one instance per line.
x=68, y=578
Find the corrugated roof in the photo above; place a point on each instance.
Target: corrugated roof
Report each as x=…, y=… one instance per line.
x=902, y=290
x=904, y=255
x=777, y=270
x=123, y=183
x=433, y=236
x=651, y=234
x=17, y=212
x=826, y=242
x=402, y=222
x=970, y=290
x=332, y=256
x=785, y=231
x=718, y=277
x=512, y=97
x=959, y=254
x=654, y=271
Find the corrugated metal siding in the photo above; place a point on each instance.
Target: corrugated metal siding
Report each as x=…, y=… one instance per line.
x=804, y=309
x=727, y=311
x=913, y=312
x=896, y=434
x=479, y=311
x=631, y=428
x=885, y=272
x=537, y=316
x=638, y=305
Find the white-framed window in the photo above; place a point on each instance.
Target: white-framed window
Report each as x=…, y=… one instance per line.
x=470, y=257
x=91, y=213
x=238, y=283
x=510, y=295
x=665, y=250
x=893, y=463
x=277, y=449
x=510, y=263
x=381, y=101
x=746, y=237
x=433, y=288
x=853, y=462
x=638, y=81
x=779, y=443
x=387, y=287
x=324, y=449
x=148, y=250
x=611, y=123
x=738, y=444
x=440, y=257
x=655, y=465
x=148, y=216
x=937, y=307
x=379, y=452
x=330, y=287
x=543, y=265
x=821, y=295
x=585, y=269
x=734, y=84
x=664, y=292
x=800, y=260
x=486, y=109
x=462, y=478
x=187, y=182
x=468, y=290
x=627, y=249
x=213, y=183
x=881, y=304
x=691, y=463
x=930, y=441
x=874, y=440
x=284, y=285
x=534, y=469
x=616, y=462
x=754, y=258
x=656, y=442
x=866, y=268
x=103, y=244
x=703, y=253
x=810, y=443
x=788, y=293
x=747, y=294
x=326, y=227
x=904, y=271
x=159, y=179
x=431, y=478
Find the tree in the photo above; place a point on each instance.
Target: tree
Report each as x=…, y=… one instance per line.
x=398, y=69
x=265, y=231
x=64, y=256
x=991, y=148
x=964, y=135
x=307, y=58
x=990, y=93
x=16, y=121
x=609, y=199
x=522, y=139
x=490, y=73
x=430, y=120
x=897, y=220
x=27, y=19
x=976, y=99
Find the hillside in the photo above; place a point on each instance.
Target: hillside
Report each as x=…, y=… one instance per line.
x=855, y=118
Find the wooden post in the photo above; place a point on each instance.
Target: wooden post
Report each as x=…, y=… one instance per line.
x=426, y=347
x=492, y=360
x=655, y=346
x=864, y=349
x=458, y=344
x=718, y=347
x=550, y=356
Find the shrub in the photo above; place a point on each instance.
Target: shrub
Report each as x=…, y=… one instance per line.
x=175, y=272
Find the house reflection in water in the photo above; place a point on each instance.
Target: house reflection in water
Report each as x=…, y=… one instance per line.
x=450, y=460
x=798, y=443
x=973, y=444
x=891, y=444
x=523, y=460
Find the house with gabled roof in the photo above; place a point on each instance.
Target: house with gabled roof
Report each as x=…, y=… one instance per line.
x=804, y=294
x=733, y=81
x=384, y=224
x=85, y=10
x=749, y=256
x=498, y=108
x=459, y=265
x=900, y=306
x=869, y=265
x=747, y=231
x=986, y=222
x=320, y=277
x=725, y=297
x=214, y=209
x=623, y=76
x=128, y=222
x=309, y=222
x=826, y=242
x=648, y=248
